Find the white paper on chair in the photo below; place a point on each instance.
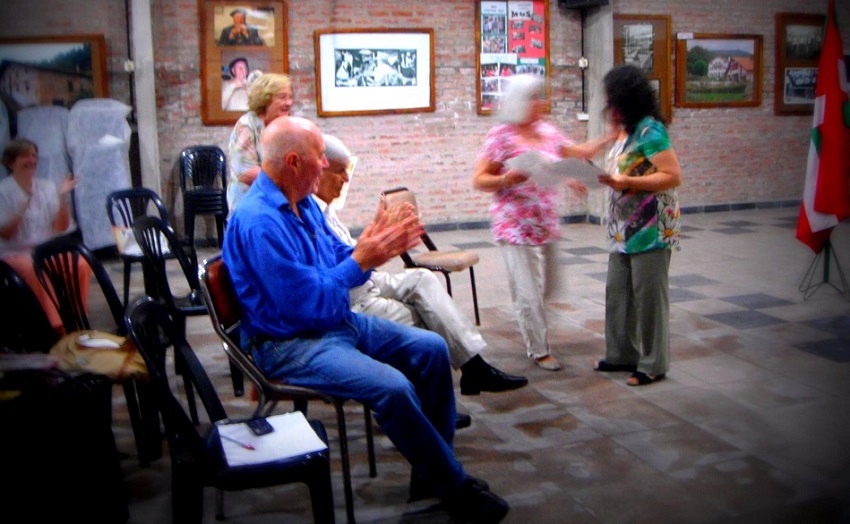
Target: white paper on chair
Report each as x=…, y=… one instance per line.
x=292, y=436
x=549, y=173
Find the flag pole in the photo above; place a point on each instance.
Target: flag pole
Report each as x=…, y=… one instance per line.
x=808, y=286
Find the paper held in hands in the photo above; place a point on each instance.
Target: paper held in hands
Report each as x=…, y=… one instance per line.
x=550, y=173
x=292, y=436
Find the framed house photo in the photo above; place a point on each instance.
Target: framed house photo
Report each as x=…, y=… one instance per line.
x=51, y=70
x=644, y=40
x=510, y=38
x=718, y=70
x=799, y=38
x=239, y=40
x=374, y=71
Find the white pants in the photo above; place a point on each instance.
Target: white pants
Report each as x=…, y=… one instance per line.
x=532, y=278
x=416, y=297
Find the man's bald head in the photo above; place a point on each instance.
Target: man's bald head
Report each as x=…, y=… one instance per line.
x=293, y=155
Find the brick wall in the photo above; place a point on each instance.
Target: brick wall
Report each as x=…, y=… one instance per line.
x=729, y=155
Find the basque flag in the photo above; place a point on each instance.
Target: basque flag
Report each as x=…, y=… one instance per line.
x=826, y=196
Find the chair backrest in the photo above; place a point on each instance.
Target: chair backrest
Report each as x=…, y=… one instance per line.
x=24, y=326
x=158, y=242
x=126, y=205
x=203, y=167
x=57, y=265
x=154, y=332
x=226, y=315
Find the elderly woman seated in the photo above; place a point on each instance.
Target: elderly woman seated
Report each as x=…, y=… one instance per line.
x=32, y=210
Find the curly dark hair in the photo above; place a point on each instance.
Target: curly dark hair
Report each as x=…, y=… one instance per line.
x=631, y=96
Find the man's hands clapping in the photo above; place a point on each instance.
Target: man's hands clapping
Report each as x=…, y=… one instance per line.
x=391, y=233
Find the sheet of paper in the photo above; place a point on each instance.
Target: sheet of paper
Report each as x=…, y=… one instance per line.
x=292, y=436
x=550, y=173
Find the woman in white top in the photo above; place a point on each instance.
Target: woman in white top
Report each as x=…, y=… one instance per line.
x=32, y=210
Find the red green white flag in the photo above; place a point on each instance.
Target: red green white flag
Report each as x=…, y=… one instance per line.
x=826, y=195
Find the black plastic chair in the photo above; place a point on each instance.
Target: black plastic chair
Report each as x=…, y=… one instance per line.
x=226, y=315
x=203, y=182
x=445, y=262
x=57, y=266
x=158, y=242
x=198, y=460
x=24, y=326
x=122, y=208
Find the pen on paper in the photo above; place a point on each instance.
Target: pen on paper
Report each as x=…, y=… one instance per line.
x=246, y=446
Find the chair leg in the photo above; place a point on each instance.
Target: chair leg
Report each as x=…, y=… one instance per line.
x=321, y=493
x=448, y=283
x=128, y=267
x=219, y=504
x=370, y=441
x=189, y=226
x=474, y=296
x=238, y=380
x=219, y=224
x=346, y=465
x=179, y=367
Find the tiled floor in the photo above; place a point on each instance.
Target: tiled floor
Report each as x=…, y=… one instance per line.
x=751, y=424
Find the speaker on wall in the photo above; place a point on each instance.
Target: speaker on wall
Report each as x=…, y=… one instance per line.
x=579, y=4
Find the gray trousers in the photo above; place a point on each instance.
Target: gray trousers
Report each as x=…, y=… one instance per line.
x=533, y=277
x=637, y=311
x=415, y=297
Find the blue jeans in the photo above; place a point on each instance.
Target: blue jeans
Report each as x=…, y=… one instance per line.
x=402, y=373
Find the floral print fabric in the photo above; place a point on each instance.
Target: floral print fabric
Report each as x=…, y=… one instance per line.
x=526, y=213
x=640, y=221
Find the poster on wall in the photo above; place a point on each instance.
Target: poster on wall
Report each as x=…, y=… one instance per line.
x=511, y=38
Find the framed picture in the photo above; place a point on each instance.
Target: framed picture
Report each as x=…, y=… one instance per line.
x=51, y=70
x=799, y=38
x=510, y=38
x=374, y=71
x=718, y=70
x=644, y=40
x=239, y=40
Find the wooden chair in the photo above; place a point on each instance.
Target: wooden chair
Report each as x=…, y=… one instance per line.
x=445, y=262
x=197, y=459
x=226, y=313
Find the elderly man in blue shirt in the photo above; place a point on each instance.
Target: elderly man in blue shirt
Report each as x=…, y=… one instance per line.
x=293, y=275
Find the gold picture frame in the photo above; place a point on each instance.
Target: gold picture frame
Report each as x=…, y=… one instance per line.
x=718, y=70
x=799, y=39
x=644, y=40
x=374, y=71
x=238, y=39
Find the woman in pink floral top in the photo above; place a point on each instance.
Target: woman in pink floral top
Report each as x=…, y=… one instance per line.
x=524, y=214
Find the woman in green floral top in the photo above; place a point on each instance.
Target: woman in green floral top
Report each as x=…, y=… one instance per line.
x=643, y=229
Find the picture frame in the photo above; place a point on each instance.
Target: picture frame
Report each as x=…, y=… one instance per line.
x=374, y=71
x=645, y=41
x=239, y=41
x=799, y=39
x=510, y=38
x=718, y=70
x=51, y=70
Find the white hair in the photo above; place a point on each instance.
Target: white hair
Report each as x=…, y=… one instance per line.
x=335, y=150
x=515, y=102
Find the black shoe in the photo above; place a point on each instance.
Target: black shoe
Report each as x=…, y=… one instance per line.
x=463, y=421
x=421, y=489
x=488, y=378
x=471, y=503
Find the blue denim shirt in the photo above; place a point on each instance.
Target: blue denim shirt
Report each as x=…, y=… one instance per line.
x=292, y=275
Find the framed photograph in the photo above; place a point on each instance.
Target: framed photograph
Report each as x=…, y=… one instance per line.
x=510, y=38
x=51, y=70
x=239, y=40
x=799, y=38
x=374, y=71
x=718, y=70
x=644, y=40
